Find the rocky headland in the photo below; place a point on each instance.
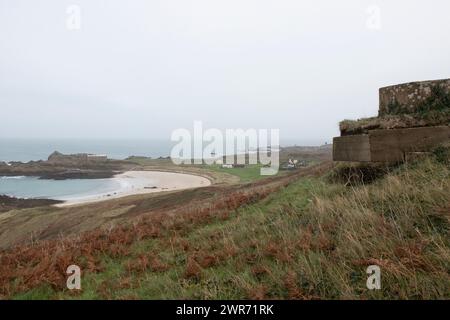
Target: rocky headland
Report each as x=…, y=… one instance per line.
x=61, y=167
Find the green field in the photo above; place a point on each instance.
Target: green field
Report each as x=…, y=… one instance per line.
x=247, y=174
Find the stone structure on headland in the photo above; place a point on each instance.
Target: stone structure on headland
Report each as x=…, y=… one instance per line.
x=410, y=97
x=413, y=118
x=81, y=158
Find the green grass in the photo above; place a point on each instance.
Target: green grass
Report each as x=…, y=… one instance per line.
x=247, y=174
x=312, y=239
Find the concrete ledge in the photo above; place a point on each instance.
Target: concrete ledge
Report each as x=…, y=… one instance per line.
x=388, y=145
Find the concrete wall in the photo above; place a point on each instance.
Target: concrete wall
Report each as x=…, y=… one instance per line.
x=408, y=96
x=388, y=145
x=392, y=145
x=352, y=148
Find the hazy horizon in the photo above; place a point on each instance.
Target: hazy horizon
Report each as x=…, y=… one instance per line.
x=140, y=70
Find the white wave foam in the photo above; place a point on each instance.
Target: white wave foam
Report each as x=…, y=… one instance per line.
x=12, y=177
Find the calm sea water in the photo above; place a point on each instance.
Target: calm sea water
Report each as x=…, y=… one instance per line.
x=39, y=149
x=32, y=187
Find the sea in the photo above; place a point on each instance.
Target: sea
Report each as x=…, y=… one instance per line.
x=25, y=150
x=35, y=188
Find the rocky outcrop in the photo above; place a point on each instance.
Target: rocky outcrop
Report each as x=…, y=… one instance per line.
x=61, y=167
x=75, y=159
x=10, y=203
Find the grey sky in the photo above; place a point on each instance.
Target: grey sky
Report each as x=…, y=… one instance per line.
x=144, y=68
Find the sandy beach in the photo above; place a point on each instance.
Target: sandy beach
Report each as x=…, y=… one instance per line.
x=141, y=182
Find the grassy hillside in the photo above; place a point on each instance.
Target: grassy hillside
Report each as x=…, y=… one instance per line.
x=300, y=238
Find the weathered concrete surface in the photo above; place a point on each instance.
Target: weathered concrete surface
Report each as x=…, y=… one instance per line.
x=407, y=98
x=392, y=145
x=388, y=145
x=351, y=147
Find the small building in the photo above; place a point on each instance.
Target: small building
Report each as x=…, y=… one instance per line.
x=227, y=166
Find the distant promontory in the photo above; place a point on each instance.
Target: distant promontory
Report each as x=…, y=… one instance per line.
x=59, y=166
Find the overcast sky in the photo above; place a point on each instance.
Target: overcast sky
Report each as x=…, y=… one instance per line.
x=140, y=69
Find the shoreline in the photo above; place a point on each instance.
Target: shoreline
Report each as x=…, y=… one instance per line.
x=142, y=182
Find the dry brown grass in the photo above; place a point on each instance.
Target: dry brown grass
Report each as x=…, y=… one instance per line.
x=30, y=265
x=432, y=118
x=308, y=239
